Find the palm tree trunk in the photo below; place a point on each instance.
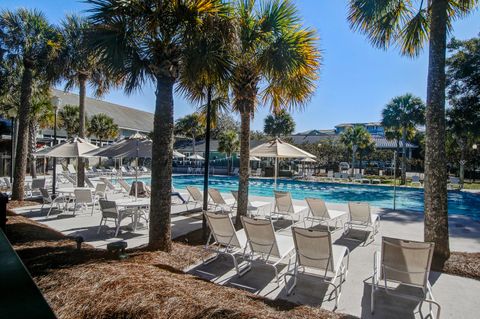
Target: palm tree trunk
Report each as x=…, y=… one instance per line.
x=23, y=119
x=436, y=210
x=193, y=145
x=461, y=173
x=82, y=80
x=162, y=154
x=229, y=163
x=404, y=155
x=243, y=171
x=353, y=162
x=32, y=145
x=100, y=158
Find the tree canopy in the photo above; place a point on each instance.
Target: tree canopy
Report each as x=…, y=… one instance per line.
x=279, y=123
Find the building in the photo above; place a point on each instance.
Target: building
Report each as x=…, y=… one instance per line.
x=374, y=128
x=129, y=120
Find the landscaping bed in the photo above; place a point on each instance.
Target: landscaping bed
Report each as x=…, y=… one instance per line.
x=91, y=283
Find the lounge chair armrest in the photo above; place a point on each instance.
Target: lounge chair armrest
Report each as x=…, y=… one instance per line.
x=376, y=268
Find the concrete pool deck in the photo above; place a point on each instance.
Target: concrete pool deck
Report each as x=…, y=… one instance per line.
x=457, y=296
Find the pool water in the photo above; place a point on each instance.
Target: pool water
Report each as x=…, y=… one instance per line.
x=462, y=203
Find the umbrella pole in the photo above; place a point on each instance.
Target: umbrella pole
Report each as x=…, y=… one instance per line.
x=276, y=172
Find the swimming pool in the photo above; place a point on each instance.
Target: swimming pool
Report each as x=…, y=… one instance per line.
x=462, y=203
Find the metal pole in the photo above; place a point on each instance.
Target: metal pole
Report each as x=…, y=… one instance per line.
x=12, y=153
x=56, y=103
x=276, y=172
x=207, y=150
x=394, y=180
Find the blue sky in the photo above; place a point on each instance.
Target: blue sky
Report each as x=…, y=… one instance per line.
x=356, y=80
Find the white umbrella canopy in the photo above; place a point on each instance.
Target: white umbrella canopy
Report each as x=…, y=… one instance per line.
x=178, y=154
x=308, y=160
x=76, y=147
x=196, y=157
x=255, y=159
x=279, y=149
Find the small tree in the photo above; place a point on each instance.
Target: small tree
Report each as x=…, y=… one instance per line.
x=190, y=126
x=103, y=128
x=281, y=123
x=355, y=138
x=68, y=119
x=228, y=143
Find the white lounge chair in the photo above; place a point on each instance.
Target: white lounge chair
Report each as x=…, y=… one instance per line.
x=265, y=245
x=235, y=171
x=404, y=262
x=220, y=202
x=284, y=206
x=227, y=240
x=317, y=256
x=71, y=169
x=100, y=191
x=253, y=207
x=35, y=186
x=89, y=182
x=110, y=210
x=416, y=181
x=196, y=197
x=124, y=185
x=360, y=216
x=110, y=186
x=454, y=183
x=318, y=212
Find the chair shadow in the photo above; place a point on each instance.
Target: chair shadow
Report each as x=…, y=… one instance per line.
x=389, y=305
x=309, y=290
x=216, y=268
x=257, y=279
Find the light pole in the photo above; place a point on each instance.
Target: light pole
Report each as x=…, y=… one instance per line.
x=354, y=150
x=474, y=147
x=56, y=103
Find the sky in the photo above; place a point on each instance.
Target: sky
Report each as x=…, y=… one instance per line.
x=356, y=80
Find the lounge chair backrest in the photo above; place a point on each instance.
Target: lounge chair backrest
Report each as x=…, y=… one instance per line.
x=359, y=212
x=235, y=195
x=330, y=174
x=283, y=202
x=259, y=171
x=124, y=185
x=195, y=193
x=216, y=196
x=7, y=182
x=100, y=188
x=83, y=196
x=358, y=176
x=415, y=179
x=107, y=183
x=108, y=208
x=261, y=236
x=454, y=180
x=123, y=169
x=68, y=178
x=337, y=175
x=59, y=169
x=222, y=229
x=45, y=194
x=89, y=182
x=406, y=261
x=344, y=175
x=71, y=169
x=317, y=207
x=38, y=183
x=314, y=248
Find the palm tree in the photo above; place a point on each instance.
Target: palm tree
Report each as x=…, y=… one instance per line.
x=411, y=24
x=228, y=143
x=402, y=114
x=103, y=128
x=190, y=126
x=32, y=43
x=68, y=119
x=356, y=138
x=278, y=124
x=146, y=40
x=81, y=66
x=276, y=61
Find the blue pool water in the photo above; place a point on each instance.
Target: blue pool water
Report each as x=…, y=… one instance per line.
x=462, y=203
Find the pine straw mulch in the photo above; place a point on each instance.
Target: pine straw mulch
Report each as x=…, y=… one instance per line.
x=90, y=283
x=463, y=265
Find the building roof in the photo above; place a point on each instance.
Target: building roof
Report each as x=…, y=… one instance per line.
x=316, y=132
x=382, y=142
x=354, y=124
x=125, y=117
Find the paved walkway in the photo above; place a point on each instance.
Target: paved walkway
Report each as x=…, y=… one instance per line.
x=458, y=296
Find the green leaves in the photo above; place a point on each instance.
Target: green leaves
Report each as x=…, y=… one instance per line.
x=402, y=22
x=102, y=127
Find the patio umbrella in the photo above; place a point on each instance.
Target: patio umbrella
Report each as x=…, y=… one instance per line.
x=279, y=149
x=76, y=147
x=178, y=154
x=255, y=159
x=196, y=157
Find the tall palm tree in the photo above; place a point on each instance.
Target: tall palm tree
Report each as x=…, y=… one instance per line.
x=147, y=40
x=190, y=126
x=228, y=143
x=103, y=127
x=31, y=43
x=403, y=113
x=276, y=61
x=68, y=119
x=411, y=24
x=80, y=65
x=356, y=138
